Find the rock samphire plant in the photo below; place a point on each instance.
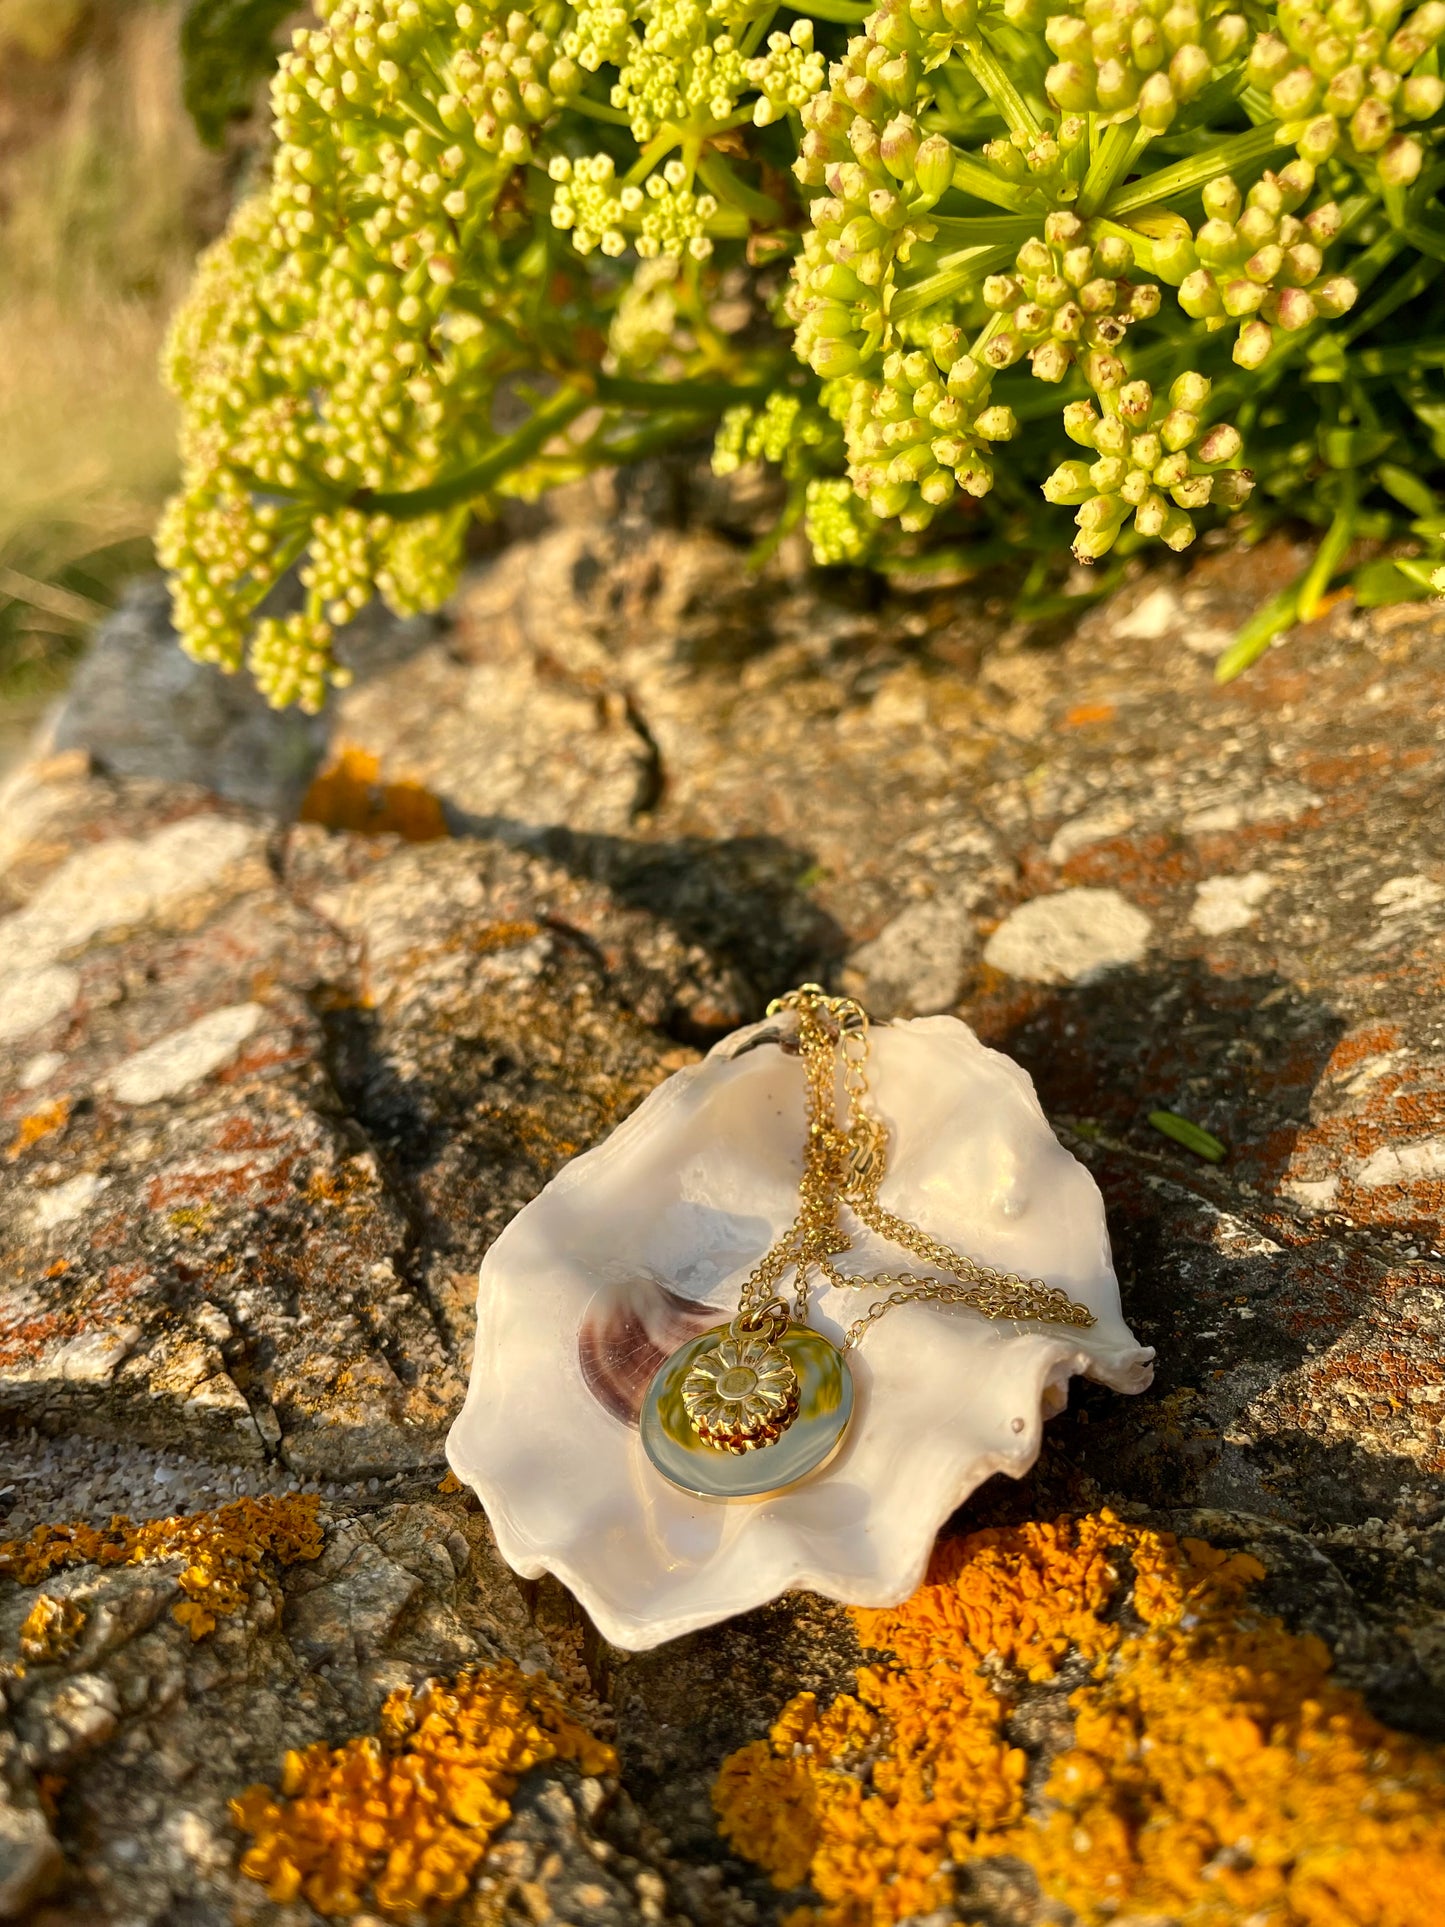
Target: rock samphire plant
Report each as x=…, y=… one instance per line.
x=963, y=268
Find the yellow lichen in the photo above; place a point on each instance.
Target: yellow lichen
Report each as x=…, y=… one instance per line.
x=398, y=1821
x=350, y=795
x=50, y=1628
x=1214, y=1775
x=36, y=1126
x=223, y=1550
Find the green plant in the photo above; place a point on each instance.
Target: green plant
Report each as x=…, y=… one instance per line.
x=1015, y=256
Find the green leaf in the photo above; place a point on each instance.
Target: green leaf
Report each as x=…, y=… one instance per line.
x=1353, y=447
x=1379, y=583
x=1408, y=489
x=1192, y=1136
x=226, y=51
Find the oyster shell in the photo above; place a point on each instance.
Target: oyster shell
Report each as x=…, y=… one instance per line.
x=641, y=1244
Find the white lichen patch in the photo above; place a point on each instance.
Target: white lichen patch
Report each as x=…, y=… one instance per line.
x=1407, y=896
x=63, y=1203
x=1229, y=903
x=30, y=999
x=119, y=885
x=172, y=1064
x=1071, y=937
x=1403, y=1164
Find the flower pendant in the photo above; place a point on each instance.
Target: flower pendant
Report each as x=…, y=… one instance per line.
x=739, y=1415
x=741, y=1393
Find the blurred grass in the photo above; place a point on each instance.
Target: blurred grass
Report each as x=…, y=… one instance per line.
x=105, y=195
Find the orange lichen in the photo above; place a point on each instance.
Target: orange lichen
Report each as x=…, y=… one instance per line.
x=350, y=795
x=224, y=1550
x=50, y=1628
x=1214, y=1773
x=398, y=1821
x=38, y=1125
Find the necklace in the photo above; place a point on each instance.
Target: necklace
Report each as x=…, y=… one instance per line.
x=753, y=1406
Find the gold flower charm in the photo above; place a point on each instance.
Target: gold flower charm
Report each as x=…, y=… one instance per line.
x=741, y=1393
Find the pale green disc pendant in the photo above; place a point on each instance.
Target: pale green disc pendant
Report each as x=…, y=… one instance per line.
x=825, y=1406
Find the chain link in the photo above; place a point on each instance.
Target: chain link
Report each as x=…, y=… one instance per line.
x=844, y=1163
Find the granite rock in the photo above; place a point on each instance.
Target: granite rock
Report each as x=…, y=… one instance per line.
x=673, y=789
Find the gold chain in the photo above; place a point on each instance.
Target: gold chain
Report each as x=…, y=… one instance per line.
x=843, y=1163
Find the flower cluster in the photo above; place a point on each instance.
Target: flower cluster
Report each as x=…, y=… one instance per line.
x=660, y=217
x=788, y=75
x=1138, y=59
x=1063, y=298
x=1342, y=75
x=1254, y=262
x=496, y=241
x=1155, y=461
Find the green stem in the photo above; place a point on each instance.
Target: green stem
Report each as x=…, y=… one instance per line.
x=698, y=397
x=973, y=177
x=843, y=13
x=1185, y=176
x=596, y=110
x=1119, y=149
x=954, y=273
x=1258, y=633
x=545, y=421
x=995, y=81
x=661, y=143
x=1331, y=551
x=728, y=186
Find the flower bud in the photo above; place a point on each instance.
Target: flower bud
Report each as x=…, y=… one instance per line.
x=1322, y=223
x=829, y=359
x=1050, y=361
x=1422, y=97
x=1068, y=485
x=1302, y=264
x=1003, y=350
x=1336, y=296
x=967, y=380
x=1269, y=61
x=1233, y=488
x=1178, y=429
x=899, y=145
x=1081, y=418
x=1115, y=85
x=945, y=344
x=1253, y=345
x=1319, y=140
x=1175, y=258
x=1190, y=390
x=1106, y=475
x=1218, y=244
x=1147, y=451
x=1193, y=492
x=1178, y=531
x=1297, y=95
x=1067, y=86
x=1188, y=71
x=1113, y=255
x=1103, y=372
x=1401, y=160
x=1242, y=297
x=1157, y=106
x=1345, y=92
x=1111, y=436
x=1222, y=199
x=1291, y=308
x=996, y=424
x=933, y=167
x=1098, y=296
x=1371, y=125
x=1225, y=38
x=1136, y=399
x=1199, y=296
x=1262, y=266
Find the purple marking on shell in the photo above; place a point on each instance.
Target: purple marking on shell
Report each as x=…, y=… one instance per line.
x=626, y=1333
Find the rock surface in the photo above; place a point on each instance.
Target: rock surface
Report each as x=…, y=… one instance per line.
x=268, y=1090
